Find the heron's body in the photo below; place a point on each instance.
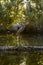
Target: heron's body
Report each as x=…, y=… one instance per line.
x=18, y=28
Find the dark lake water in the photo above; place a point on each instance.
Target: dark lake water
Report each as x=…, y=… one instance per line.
x=21, y=58
x=21, y=40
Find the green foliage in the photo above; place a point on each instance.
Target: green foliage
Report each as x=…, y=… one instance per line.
x=18, y=11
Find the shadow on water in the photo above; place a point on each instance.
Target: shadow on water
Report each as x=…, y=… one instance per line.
x=21, y=58
x=22, y=40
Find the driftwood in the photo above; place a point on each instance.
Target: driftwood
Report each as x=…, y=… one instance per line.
x=10, y=49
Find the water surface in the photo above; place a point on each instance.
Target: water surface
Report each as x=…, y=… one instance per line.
x=21, y=40
x=21, y=58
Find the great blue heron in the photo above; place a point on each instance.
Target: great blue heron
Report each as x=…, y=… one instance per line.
x=18, y=28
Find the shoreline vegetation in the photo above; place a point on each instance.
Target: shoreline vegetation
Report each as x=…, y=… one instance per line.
x=25, y=12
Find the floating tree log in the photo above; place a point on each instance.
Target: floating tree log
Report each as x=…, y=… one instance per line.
x=21, y=48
